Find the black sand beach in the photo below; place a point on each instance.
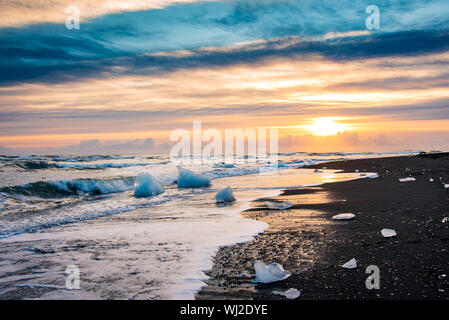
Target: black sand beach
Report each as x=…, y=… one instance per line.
x=304, y=239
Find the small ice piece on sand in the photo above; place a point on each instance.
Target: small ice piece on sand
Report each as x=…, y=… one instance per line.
x=291, y=293
x=266, y=273
x=147, y=186
x=225, y=195
x=446, y=186
x=278, y=205
x=351, y=264
x=344, y=216
x=407, y=179
x=190, y=179
x=445, y=219
x=431, y=180
x=388, y=233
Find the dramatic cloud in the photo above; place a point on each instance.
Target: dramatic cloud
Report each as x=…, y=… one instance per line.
x=136, y=71
x=95, y=146
x=22, y=12
x=207, y=34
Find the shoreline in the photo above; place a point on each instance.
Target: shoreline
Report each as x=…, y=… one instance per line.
x=304, y=239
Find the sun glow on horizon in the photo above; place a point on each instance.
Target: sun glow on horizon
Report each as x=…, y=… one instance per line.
x=326, y=126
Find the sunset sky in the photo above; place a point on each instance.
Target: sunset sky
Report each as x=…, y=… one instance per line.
x=136, y=70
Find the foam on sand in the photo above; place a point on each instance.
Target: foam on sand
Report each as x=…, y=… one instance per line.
x=190, y=179
x=225, y=195
x=147, y=186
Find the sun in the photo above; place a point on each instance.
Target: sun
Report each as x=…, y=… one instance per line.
x=326, y=126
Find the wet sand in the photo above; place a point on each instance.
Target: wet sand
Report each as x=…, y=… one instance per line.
x=308, y=243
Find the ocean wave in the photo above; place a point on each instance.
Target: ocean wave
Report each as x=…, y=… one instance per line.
x=100, y=166
x=66, y=188
x=90, y=158
x=34, y=165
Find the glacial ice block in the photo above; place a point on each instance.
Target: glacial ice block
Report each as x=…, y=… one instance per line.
x=388, y=233
x=351, y=264
x=278, y=205
x=225, y=195
x=147, y=186
x=344, y=216
x=266, y=273
x=190, y=179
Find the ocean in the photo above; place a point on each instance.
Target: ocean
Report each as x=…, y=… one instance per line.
x=60, y=211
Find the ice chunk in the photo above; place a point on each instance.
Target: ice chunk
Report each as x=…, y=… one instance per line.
x=292, y=293
x=388, y=233
x=224, y=165
x=289, y=294
x=147, y=186
x=445, y=219
x=351, y=264
x=431, y=180
x=278, y=205
x=407, y=179
x=190, y=179
x=344, y=216
x=266, y=273
x=225, y=195
x=446, y=186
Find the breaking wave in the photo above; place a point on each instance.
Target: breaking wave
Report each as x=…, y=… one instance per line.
x=65, y=188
